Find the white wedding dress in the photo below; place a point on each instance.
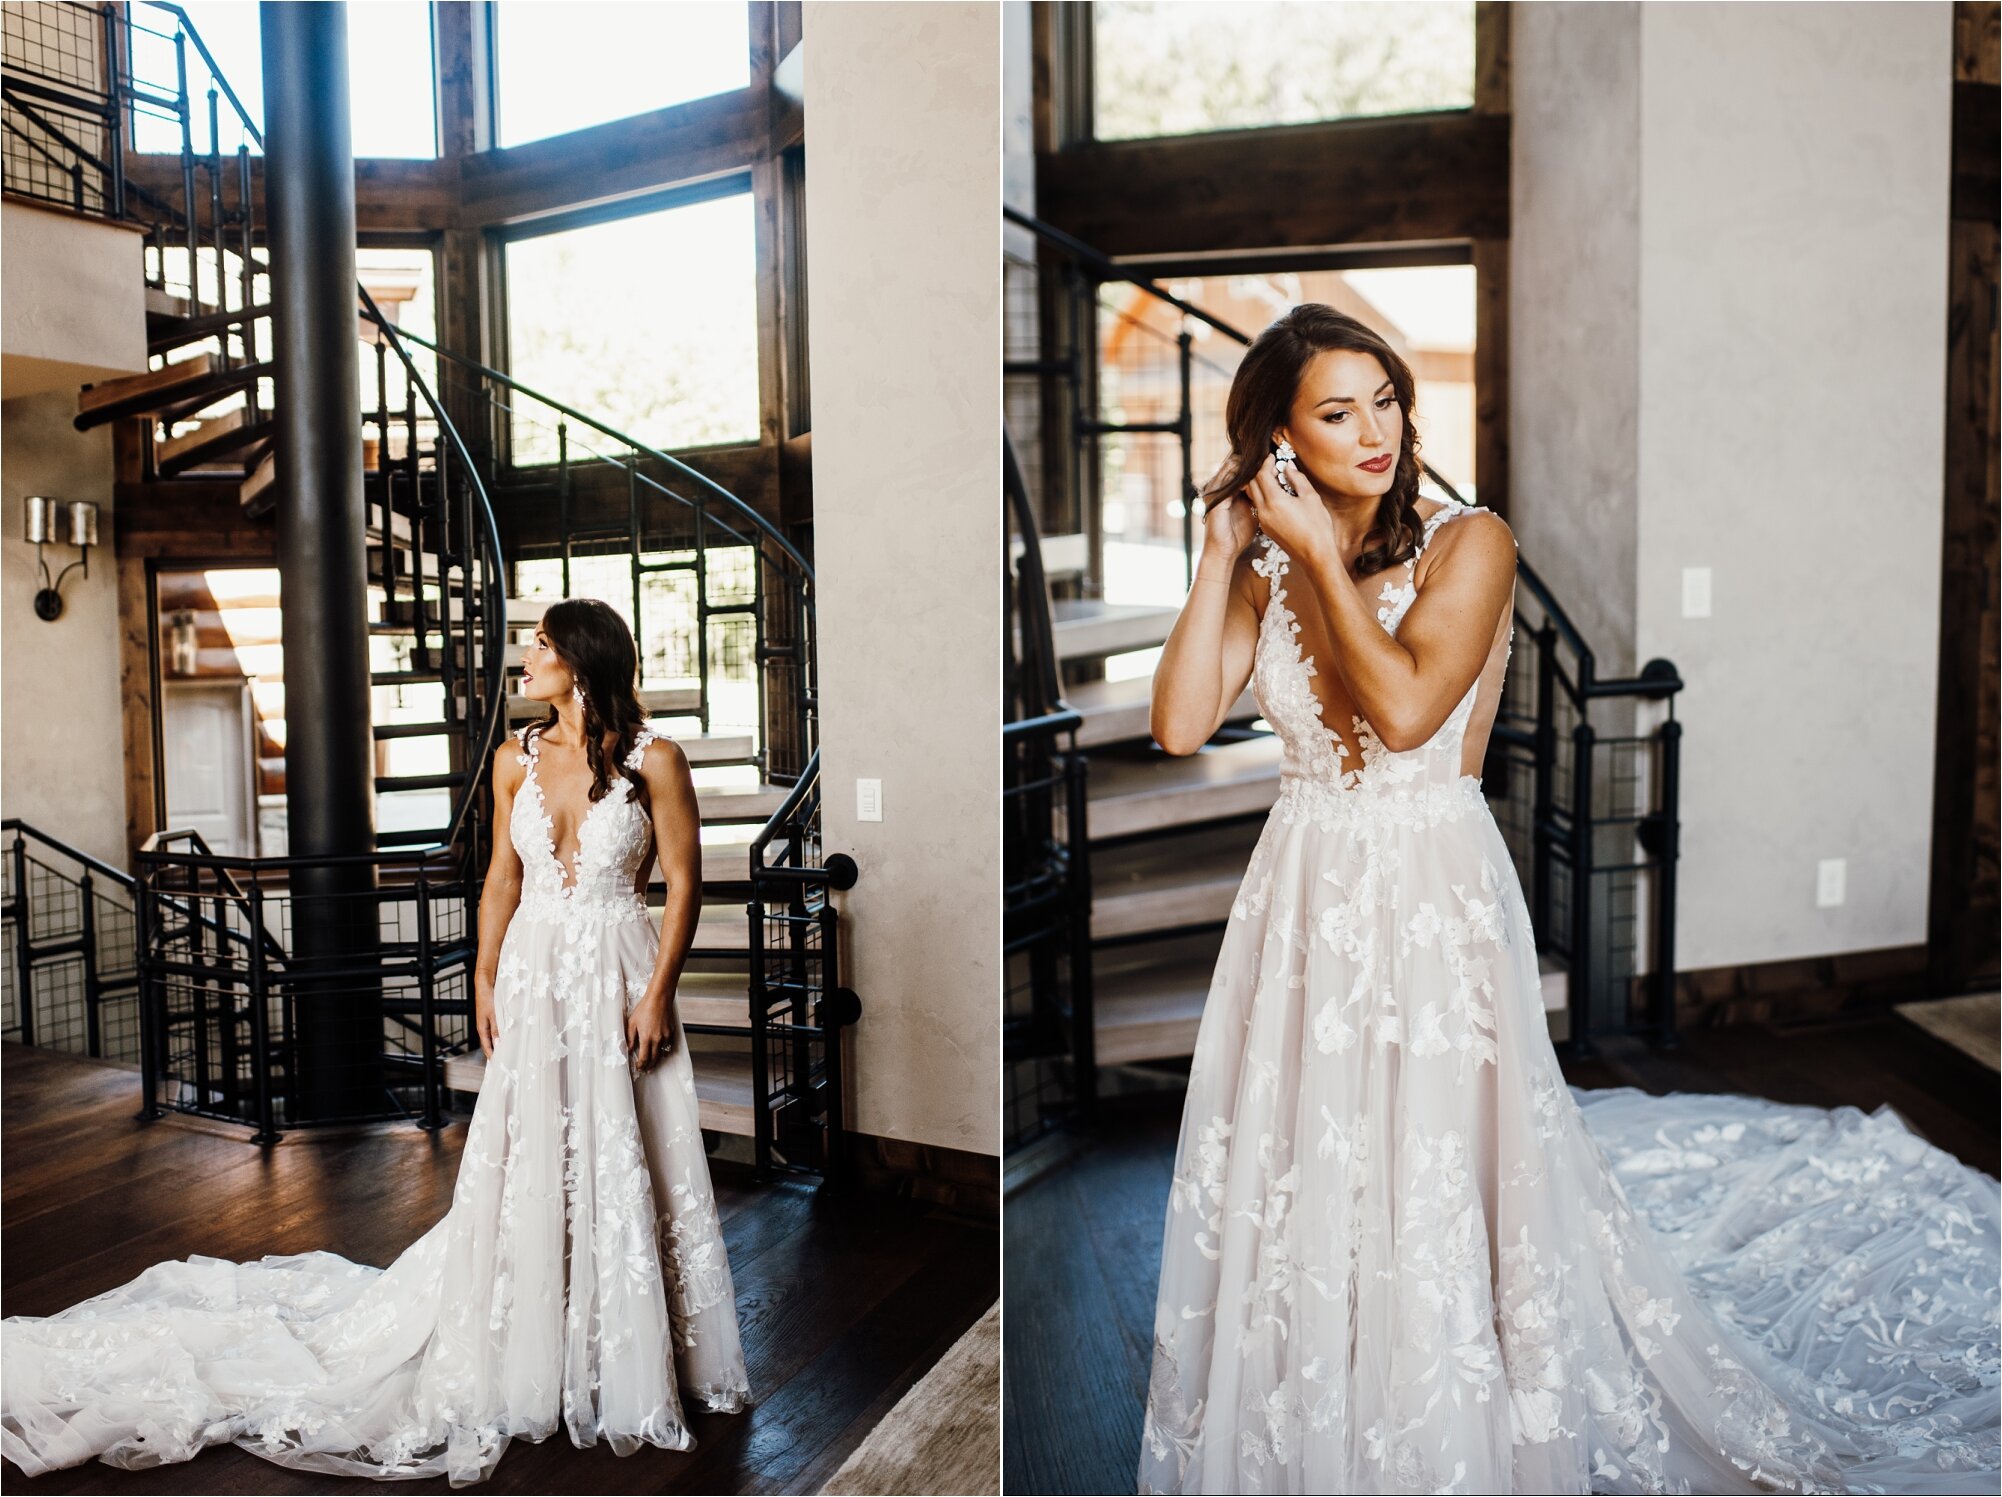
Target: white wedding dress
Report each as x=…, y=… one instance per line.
x=578, y=1278
x=1401, y=1255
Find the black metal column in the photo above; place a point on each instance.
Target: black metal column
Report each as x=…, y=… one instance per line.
x=329, y=749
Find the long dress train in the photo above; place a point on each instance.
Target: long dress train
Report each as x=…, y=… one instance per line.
x=1400, y=1254
x=579, y=1276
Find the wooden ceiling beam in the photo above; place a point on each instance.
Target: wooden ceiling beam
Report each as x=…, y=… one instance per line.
x=1346, y=182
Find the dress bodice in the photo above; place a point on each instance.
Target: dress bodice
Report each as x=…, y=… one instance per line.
x=612, y=841
x=1318, y=766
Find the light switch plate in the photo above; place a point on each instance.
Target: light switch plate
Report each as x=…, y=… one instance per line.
x=1696, y=592
x=868, y=800
x=1831, y=882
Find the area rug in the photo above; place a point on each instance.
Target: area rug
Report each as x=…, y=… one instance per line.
x=1972, y=1025
x=944, y=1436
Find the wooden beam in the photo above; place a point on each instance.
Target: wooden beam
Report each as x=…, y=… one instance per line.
x=683, y=143
x=191, y=521
x=1491, y=402
x=1347, y=182
x=767, y=193
x=390, y=194
x=459, y=34
x=1493, y=67
x=137, y=693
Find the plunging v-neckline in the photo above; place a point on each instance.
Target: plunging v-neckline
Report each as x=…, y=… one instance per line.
x=567, y=886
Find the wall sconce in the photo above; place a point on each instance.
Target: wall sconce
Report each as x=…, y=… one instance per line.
x=45, y=519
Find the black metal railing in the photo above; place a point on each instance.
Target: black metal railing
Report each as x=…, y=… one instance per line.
x=798, y=1006
x=71, y=981
x=1590, y=804
x=226, y=995
x=1048, y=1036
x=716, y=589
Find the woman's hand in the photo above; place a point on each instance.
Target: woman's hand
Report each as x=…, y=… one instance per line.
x=1228, y=527
x=486, y=1023
x=650, y=1031
x=1300, y=522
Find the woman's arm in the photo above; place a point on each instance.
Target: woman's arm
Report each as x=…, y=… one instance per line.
x=677, y=840
x=1407, y=684
x=500, y=896
x=1208, y=656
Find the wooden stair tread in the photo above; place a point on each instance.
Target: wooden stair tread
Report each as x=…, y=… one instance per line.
x=1117, y=711
x=201, y=433
x=1167, y=882
x=1085, y=628
x=1150, y=794
x=162, y=381
x=1147, y=1002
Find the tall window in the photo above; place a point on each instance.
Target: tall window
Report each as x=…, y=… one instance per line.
x=561, y=65
x=1181, y=68
x=649, y=322
x=390, y=75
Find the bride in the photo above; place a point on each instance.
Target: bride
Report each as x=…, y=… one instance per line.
x=1400, y=1255
x=580, y=1273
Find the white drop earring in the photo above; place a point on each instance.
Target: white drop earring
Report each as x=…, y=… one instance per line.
x=1283, y=457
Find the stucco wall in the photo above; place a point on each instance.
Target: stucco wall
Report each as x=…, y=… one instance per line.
x=904, y=103
x=1728, y=315
x=72, y=301
x=1574, y=315
x=1794, y=198
x=62, y=756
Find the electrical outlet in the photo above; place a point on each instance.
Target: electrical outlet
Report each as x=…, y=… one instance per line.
x=868, y=800
x=1696, y=592
x=1831, y=882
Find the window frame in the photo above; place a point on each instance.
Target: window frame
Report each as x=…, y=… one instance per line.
x=498, y=237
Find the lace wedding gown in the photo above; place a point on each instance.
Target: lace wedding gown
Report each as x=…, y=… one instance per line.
x=579, y=1276
x=1402, y=1255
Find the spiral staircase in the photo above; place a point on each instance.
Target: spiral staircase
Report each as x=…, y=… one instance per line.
x=721, y=600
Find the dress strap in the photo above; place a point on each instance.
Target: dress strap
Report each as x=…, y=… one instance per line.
x=1452, y=511
x=636, y=755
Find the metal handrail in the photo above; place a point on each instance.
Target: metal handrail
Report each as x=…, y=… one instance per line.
x=496, y=617
x=215, y=68
x=770, y=531
x=96, y=865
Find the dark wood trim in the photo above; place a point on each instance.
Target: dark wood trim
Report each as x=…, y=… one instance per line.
x=1373, y=181
x=1494, y=67
x=1491, y=384
x=462, y=55
x=1964, y=911
x=390, y=194
x=623, y=158
x=138, y=692
x=956, y=1179
x=1976, y=107
x=1797, y=988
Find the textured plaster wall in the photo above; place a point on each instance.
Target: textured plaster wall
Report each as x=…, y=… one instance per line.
x=1728, y=313
x=904, y=105
x=62, y=755
x=72, y=301
x=1794, y=204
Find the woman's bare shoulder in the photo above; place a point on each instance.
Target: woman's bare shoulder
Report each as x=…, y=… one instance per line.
x=662, y=759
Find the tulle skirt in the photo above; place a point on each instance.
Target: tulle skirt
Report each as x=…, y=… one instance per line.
x=579, y=1278
x=1400, y=1256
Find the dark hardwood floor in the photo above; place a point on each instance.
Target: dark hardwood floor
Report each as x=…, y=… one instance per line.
x=1083, y=1243
x=845, y=1299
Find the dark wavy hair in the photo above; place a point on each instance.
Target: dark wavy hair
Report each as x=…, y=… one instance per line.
x=1261, y=400
x=591, y=638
